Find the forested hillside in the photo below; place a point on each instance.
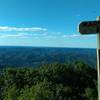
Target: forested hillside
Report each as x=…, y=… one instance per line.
x=36, y=56
x=56, y=81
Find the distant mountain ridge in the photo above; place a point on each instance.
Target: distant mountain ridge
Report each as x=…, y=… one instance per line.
x=18, y=56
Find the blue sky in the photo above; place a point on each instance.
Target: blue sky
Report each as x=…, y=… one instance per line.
x=50, y=23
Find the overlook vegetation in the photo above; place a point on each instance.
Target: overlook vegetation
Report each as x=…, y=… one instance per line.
x=56, y=81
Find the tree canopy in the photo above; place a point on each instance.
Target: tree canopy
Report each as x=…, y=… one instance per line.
x=56, y=81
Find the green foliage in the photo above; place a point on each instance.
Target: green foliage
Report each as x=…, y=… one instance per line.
x=11, y=93
x=90, y=94
x=56, y=81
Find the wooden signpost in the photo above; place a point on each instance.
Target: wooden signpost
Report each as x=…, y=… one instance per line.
x=93, y=27
x=89, y=27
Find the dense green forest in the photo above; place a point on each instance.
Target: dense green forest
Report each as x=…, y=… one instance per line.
x=56, y=81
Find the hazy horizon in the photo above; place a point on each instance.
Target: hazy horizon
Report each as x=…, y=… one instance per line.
x=45, y=46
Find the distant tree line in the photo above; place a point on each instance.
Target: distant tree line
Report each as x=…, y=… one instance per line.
x=56, y=81
x=32, y=56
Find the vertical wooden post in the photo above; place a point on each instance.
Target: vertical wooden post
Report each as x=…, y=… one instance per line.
x=98, y=60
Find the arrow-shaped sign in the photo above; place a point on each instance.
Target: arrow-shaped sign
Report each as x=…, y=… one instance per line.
x=89, y=27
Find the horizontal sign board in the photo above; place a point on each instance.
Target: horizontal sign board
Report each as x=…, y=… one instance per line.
x=89, y=27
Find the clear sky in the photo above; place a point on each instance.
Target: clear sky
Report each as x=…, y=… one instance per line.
x=50, y=23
